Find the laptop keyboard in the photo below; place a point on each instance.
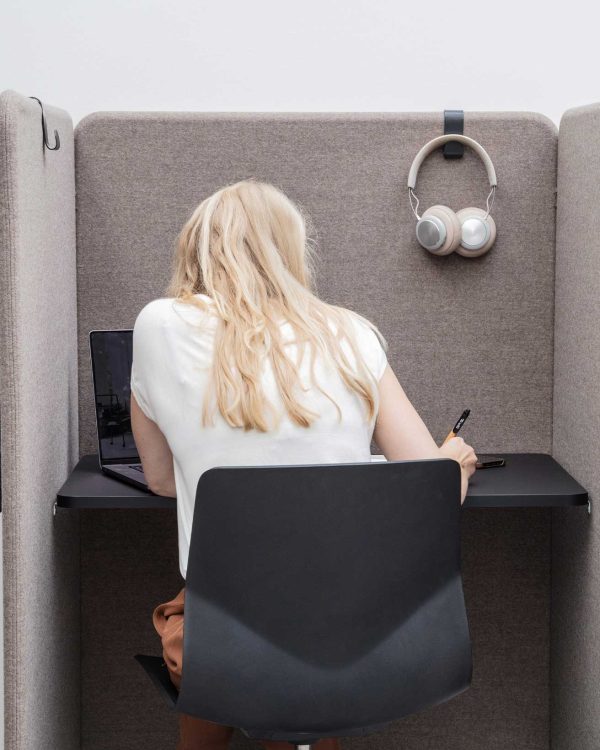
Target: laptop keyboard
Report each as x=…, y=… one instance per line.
x=137, y=467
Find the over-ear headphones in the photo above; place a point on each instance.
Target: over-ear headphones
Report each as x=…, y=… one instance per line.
x=470, y=231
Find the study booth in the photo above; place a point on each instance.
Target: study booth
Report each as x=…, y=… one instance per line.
x=87, y=237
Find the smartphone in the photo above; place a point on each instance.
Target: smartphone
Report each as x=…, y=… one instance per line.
x=490, y=463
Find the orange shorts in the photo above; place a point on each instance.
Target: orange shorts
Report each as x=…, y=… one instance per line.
x=194, y=733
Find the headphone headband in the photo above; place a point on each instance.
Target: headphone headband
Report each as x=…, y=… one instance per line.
x=440, y=141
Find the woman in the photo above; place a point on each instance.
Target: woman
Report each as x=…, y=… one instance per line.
x=243, y=364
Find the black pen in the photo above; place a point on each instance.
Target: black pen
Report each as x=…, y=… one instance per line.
x=457, y=426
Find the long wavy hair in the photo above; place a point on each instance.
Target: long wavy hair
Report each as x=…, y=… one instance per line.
x=246, y=248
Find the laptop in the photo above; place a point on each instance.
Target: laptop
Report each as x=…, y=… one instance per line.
x=111, y=356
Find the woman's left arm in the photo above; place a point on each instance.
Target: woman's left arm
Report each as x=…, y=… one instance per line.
x=154, y=451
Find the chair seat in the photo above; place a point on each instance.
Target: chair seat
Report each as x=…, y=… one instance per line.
x=156, y=669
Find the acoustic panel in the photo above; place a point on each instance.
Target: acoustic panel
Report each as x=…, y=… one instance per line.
x=462, y=332
x=576, y=536
x=39, y=435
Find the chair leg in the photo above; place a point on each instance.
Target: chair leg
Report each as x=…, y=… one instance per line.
x=289, y=745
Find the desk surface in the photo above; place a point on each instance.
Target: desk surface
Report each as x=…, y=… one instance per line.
x=528, y=480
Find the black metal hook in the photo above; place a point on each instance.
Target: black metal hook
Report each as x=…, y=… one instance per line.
x=45, y=130
x=454, y=122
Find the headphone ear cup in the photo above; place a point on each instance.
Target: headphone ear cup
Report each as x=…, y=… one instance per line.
x=478, y=232
x=433, y=218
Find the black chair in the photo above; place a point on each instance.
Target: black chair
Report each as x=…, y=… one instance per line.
x=322, y=601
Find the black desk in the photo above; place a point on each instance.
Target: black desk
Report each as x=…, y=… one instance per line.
x=529, y=480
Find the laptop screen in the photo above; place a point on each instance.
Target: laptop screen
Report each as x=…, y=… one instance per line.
x=111, y=353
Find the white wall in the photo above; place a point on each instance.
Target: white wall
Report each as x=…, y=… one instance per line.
x=317, y=55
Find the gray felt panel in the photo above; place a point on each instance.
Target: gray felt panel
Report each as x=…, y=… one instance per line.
x=38, y=382
x=474, y=333
x=576, y=536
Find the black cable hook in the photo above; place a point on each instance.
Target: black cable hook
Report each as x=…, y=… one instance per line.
x=45, y=130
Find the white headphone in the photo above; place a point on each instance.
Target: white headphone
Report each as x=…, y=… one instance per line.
x=470, y=231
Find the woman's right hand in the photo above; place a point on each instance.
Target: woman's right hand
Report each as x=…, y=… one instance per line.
x=457, y=449
x=402, y=435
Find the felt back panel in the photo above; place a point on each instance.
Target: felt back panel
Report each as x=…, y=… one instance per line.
x=461, y=332
x=39, y=437
x=576, y=536
x=476, y=333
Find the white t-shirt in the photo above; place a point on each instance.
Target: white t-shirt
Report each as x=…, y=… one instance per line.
x=171, y=367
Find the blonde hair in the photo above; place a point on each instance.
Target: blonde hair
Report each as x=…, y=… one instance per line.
x=246, y=248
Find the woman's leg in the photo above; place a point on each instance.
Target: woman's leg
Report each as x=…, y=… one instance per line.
x=194, y=734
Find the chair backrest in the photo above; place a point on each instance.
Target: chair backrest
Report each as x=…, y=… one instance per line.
x=324, y=600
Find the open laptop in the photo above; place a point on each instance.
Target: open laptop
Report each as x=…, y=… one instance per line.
x=111, y=356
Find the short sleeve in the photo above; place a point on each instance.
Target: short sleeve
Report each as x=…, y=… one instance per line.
x=143, y=359
x=370, y=347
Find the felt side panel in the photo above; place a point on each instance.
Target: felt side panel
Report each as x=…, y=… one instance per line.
x=38, y=382
x=476, y=333
x=576, y=535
